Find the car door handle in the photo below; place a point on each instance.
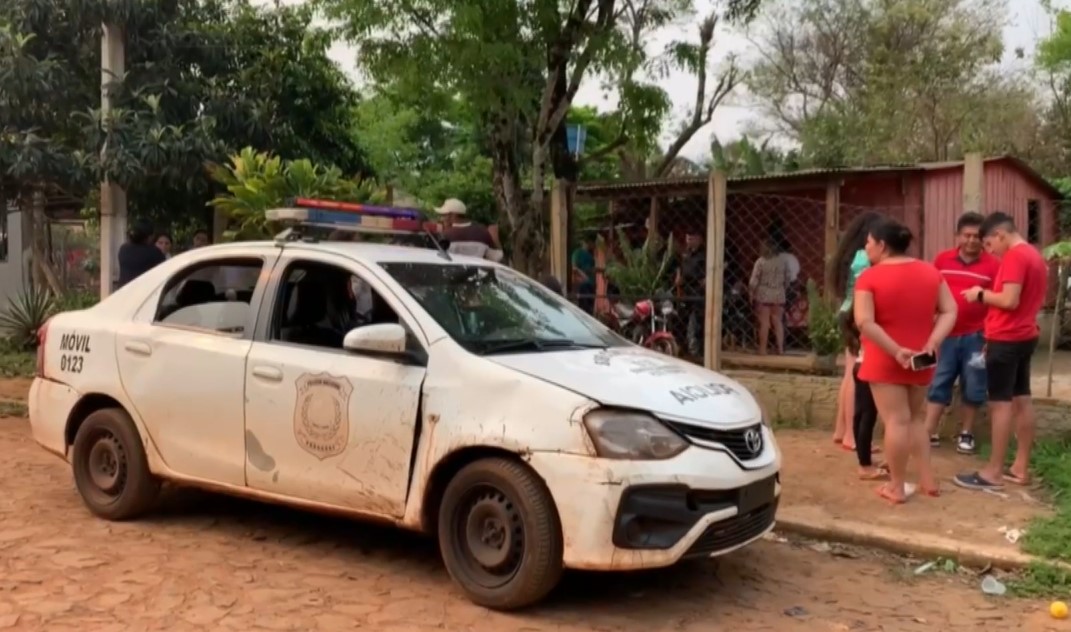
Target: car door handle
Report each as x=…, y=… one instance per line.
x=269, y=373
x=140, y=348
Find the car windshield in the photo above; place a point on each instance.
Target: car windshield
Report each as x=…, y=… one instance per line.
x=495, y=310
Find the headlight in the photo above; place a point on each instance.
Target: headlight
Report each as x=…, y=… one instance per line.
x=619, y=434
x=667, y=308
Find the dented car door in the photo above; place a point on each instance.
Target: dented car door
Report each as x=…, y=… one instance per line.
x=322, y=424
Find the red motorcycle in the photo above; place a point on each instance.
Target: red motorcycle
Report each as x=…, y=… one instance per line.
x=645, y=326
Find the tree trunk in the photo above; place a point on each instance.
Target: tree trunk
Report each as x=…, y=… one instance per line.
x=43, y=273
x=527, y=230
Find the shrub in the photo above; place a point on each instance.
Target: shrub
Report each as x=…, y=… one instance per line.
x=822, y=327
x=24, y=315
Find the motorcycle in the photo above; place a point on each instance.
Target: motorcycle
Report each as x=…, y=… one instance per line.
x=645, y=326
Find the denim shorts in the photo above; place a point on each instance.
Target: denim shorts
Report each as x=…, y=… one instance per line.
x=953, y=361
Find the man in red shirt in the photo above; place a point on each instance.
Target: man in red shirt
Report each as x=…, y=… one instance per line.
x=1011, y=333
x=960, y=356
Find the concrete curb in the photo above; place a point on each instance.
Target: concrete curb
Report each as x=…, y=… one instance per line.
x=902, y=542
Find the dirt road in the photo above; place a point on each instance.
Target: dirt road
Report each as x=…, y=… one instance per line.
x=210, y=563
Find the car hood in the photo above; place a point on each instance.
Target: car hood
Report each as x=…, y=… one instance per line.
x=634, y=377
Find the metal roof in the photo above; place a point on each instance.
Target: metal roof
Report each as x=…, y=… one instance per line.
x=702, y=180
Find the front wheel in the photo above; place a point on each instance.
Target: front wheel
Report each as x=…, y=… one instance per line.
x=500, y=535
x=667, y=346
x=110, y=468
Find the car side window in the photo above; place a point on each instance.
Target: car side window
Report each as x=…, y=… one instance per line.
x=317, y=304
x=214, y=296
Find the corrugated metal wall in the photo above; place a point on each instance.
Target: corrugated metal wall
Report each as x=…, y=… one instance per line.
x=942, y=205
x=1006, y=188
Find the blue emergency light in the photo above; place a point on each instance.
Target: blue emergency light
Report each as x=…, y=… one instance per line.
x=352, y=216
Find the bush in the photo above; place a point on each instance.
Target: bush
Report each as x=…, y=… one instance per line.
x=24, y=315
x=822, y=327
x=641, y=272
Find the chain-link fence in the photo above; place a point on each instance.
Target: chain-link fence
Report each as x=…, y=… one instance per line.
x=631, y=244
x=75, y=254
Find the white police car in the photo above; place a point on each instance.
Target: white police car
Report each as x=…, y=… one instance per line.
x=459, y=398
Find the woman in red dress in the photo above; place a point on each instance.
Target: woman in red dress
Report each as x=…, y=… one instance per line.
x=896, y=301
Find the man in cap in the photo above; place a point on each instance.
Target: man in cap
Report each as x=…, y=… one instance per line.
x=467, y=237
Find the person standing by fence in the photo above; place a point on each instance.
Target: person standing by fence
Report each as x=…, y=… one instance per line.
x=960, y=356
x=769, y=285
x=849, y=262
x=1011, y=336
x=895, y=301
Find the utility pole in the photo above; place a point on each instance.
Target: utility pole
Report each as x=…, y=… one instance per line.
x=112, y=196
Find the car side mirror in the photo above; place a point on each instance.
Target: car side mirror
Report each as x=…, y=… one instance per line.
x=387, y=339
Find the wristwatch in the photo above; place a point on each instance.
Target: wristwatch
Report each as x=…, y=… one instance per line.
x=981, y=296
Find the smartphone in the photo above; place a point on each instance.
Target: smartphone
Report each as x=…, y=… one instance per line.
x=922, y=361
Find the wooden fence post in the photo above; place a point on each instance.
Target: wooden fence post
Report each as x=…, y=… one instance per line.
x=832, y=235
x=559, y=248
x=715, y=278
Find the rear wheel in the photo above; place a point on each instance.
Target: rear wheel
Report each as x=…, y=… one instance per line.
x=110, y=468
x=500, y=535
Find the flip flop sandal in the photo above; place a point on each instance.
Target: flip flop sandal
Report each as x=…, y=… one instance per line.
x=932, y=493
x=1015, y=479
x=974, y=480
x=909, y=491
x=879, y=474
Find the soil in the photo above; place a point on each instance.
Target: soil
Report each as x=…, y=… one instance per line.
x=206, y=562
x=820, y=478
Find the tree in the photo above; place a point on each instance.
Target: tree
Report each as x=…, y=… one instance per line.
x=880, y=81
x=203, y=78
x=517, y=63
x=743, y=157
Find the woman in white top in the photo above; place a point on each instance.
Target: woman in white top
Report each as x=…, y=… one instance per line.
x=769, y=283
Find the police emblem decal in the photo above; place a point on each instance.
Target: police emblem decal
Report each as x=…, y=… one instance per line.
x=321, y=414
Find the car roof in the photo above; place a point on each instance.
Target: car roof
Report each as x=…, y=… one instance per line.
x=361, y=251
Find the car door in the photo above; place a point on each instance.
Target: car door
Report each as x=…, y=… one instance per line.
x=182, y=364
x=323, y=424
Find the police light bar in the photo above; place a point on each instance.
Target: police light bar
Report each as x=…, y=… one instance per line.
x=354, y=207
x=352, y=216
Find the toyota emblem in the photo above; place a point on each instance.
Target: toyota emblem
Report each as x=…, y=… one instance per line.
x=753, y=441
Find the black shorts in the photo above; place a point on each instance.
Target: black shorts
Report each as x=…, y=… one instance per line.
x=1008, y=369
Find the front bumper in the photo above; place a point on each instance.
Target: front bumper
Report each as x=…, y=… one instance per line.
x=629, y=515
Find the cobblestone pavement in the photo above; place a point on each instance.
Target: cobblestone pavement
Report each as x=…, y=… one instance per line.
x=205, y=562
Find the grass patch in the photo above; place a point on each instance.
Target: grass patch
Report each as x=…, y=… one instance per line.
x=16, y=363
x=13, y=409
x=1041, y=580
x=1046, y=537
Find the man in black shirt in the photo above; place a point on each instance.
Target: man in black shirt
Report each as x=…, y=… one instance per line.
x=692, y=281
x=138, y=255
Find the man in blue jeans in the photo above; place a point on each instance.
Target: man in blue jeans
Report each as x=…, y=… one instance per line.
x=961, y=354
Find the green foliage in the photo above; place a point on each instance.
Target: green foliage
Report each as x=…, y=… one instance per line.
x=516, y=65
x=640, y=272
x=822, y=328
x=203, y=79
x=430, y=151
x=16, y=361
x=256, y=182
x=75, y=301
x=24, y=315
x=744, y=158
x=1050, y=537
x=893, y=81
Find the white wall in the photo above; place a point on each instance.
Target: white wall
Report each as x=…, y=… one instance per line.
x=14, y=271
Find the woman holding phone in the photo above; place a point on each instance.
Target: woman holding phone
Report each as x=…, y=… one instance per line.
x=896, y=300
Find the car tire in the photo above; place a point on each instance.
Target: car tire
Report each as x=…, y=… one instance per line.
x=500, y=535
x=666, y=346
x=110, y=468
